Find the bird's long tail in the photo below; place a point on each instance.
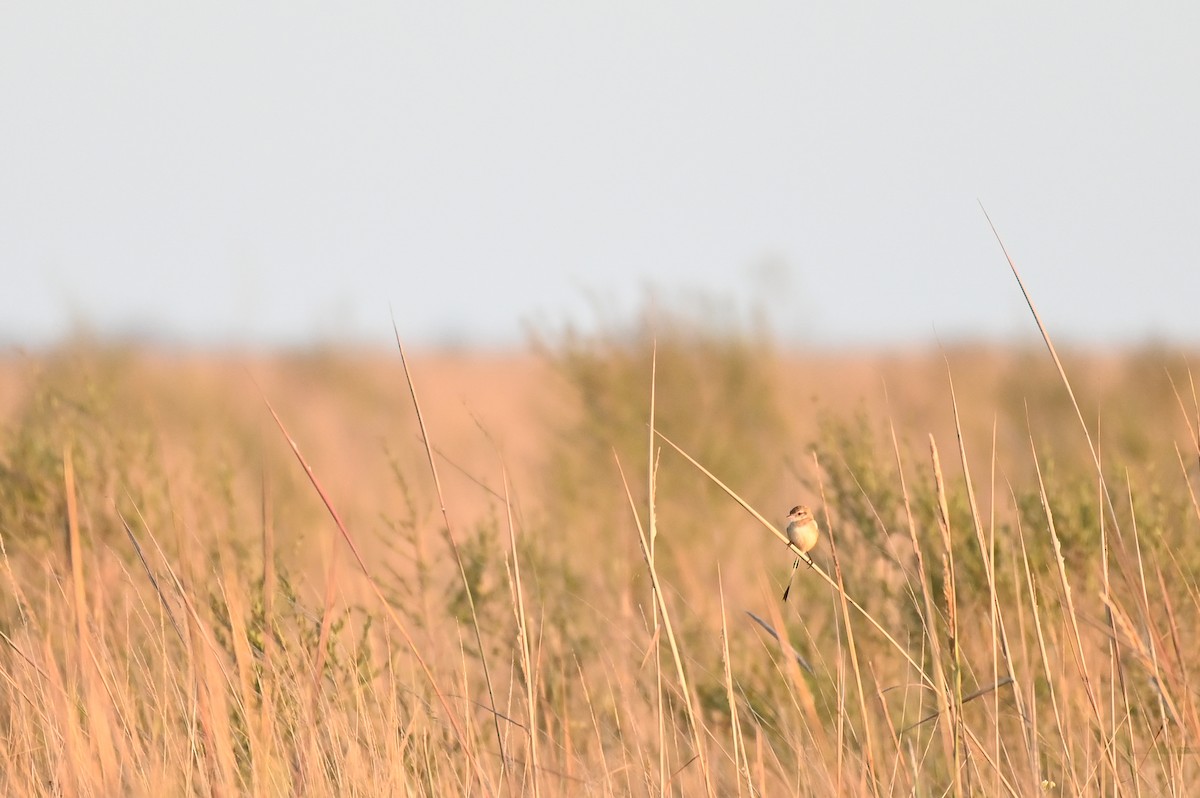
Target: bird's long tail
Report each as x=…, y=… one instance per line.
x=791, y=576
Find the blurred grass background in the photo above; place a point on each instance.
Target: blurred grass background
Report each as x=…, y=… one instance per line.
x=242, y=651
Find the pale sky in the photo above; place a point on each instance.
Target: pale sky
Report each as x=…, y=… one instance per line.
x=264, y=173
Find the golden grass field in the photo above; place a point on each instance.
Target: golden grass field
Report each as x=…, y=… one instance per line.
x=182, y=615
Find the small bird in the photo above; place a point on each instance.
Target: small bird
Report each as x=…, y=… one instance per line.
x=802, y=532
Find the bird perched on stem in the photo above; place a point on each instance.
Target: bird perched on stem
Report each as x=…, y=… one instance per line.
x=802, y=532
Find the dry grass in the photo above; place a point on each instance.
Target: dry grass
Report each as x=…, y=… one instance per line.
x=540, y=583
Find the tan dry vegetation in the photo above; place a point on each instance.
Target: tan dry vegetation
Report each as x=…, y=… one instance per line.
x=234, y=680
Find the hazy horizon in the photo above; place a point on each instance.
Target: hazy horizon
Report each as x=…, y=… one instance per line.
x=230, y=176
